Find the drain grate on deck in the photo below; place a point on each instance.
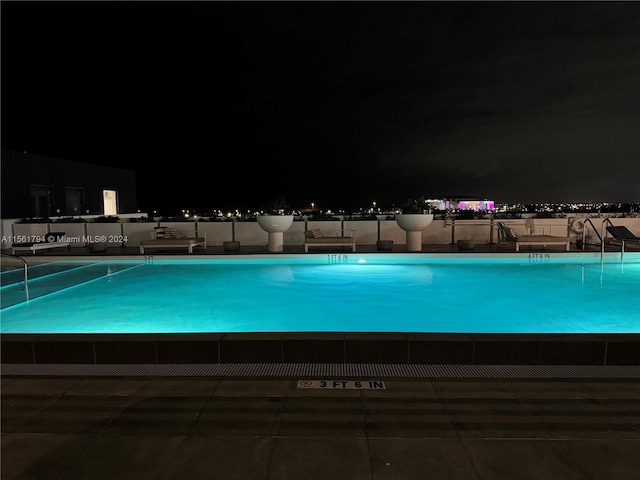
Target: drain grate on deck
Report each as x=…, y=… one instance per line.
x=325, y=370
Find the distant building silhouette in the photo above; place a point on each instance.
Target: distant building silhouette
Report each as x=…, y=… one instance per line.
x=40, y=186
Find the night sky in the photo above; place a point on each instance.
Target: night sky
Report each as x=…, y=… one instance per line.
x=225, y=104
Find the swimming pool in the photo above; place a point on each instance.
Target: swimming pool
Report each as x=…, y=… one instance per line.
x=520, y=293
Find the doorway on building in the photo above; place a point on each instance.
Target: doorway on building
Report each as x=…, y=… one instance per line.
x=75, y=200
x=41, y=198
x=110, y=203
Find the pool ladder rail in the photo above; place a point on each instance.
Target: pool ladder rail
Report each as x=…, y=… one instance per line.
x=26, y=271
x=601, y=236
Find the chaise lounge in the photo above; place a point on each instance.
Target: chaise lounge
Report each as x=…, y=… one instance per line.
x=507, y=234
x=172, y=238
x=621, y=235
x=318, y=238
x=50, y=240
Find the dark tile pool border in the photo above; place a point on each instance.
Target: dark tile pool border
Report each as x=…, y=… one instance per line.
x=329, y=348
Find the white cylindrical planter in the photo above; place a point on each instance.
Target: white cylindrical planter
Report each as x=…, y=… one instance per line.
x=276, y=241
x=414, y=240
x=275, y=226
x=413, y=224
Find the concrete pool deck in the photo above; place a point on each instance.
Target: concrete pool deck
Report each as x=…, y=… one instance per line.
x=267, y=428
x=478, y=248
x=134, y=426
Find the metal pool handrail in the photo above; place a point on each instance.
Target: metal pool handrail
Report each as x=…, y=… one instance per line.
x=26, y=271
x=587, y=221
x=605, y=221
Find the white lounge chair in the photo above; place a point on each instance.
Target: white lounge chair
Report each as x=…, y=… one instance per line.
x=506, y=234
x=172, y=238
x=319, y=238
x=50, y=240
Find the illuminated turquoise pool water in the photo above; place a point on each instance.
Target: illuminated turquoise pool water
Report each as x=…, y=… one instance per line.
x=329, y=293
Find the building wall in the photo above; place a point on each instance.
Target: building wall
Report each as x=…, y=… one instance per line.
x=21, y=170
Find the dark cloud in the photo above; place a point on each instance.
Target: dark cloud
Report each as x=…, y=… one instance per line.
x=349, y=102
